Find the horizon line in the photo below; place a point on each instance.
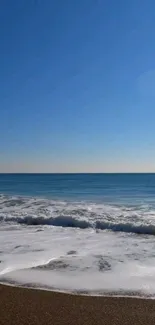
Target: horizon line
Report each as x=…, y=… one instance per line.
x=71, y=173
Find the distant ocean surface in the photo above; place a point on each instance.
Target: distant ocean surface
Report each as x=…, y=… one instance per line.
x=87, y=233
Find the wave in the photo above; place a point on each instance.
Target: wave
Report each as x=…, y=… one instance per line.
x=31, y=211
x=68, y=222
x=71, y=222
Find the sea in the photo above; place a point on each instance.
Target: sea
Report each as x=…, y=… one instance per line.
x=80, y=233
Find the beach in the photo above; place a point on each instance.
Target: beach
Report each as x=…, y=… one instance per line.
x=90, y=234
x=22, y=306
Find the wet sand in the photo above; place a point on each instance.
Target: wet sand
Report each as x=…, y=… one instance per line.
x=30, y=307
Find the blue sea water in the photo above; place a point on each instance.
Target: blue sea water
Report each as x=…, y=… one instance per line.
x=116, y=188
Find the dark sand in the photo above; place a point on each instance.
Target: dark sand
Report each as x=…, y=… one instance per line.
x=25, y=306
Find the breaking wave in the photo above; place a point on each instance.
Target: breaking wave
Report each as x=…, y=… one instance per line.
x=31, y=211
x=71, y=222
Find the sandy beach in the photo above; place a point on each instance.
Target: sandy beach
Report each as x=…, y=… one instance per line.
x=27, y=306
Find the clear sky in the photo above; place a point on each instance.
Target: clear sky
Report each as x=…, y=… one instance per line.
x=77, y=86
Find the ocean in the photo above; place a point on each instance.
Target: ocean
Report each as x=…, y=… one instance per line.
x=79, y=233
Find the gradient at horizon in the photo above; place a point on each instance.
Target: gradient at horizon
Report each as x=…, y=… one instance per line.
x=77, y=86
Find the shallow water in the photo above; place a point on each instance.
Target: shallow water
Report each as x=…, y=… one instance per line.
x=85, y=233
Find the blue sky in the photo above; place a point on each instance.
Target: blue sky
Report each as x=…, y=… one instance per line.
x=77, y=86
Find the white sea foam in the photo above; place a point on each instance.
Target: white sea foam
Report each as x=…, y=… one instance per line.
x=73, y=246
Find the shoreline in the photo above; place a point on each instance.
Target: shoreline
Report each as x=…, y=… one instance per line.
x=23, y=306
x=81, y=293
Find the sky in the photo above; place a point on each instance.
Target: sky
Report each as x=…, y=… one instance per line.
x=77, y=86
